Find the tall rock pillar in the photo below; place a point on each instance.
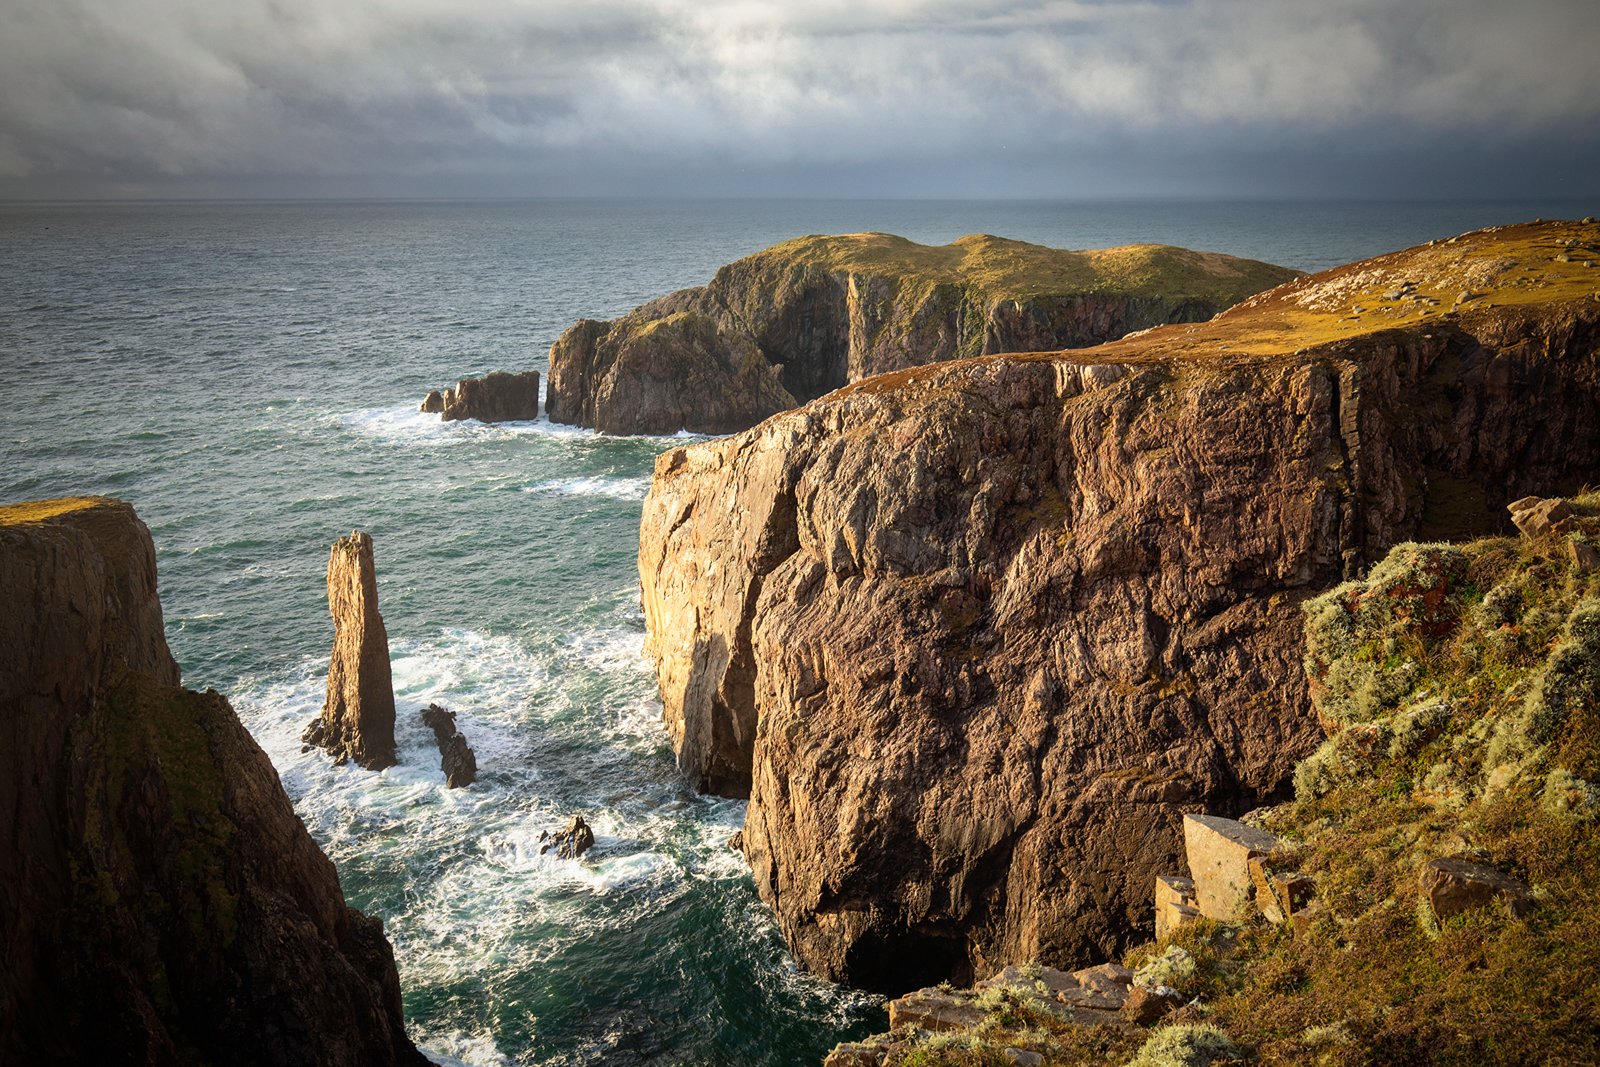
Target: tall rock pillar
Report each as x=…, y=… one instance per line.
x=357, y=721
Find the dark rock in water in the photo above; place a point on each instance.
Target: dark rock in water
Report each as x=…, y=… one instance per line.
x=357, y=721
x=162, y=902
x=496, y=397
x=736, y=842
x=460, y=766
x=571, y=841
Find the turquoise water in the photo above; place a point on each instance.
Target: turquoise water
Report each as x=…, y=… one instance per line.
x=247, y=375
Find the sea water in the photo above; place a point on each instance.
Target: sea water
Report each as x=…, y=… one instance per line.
x=247, y=374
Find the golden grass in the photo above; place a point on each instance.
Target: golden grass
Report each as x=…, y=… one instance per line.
x=32, y=511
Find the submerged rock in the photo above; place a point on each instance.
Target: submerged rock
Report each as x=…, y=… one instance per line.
x=460, y=766
x=974, y=636
x=163, y=903
x=496, y=397
x=569, y=842
x=357, y=720
x=807, y=316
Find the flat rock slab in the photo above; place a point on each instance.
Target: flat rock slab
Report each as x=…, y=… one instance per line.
x=932, y=1009
x=1454, y=884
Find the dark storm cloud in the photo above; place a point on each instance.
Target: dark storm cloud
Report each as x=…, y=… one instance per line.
x=737, y=96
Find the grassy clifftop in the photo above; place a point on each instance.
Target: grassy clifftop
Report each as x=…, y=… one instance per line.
x=1000, y=268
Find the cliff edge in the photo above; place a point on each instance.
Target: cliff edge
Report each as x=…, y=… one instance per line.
x=804, y=317
x=973, y=636
x=163, y=902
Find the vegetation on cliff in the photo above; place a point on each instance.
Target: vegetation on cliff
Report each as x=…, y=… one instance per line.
x=1461, y=686
x=809, y=315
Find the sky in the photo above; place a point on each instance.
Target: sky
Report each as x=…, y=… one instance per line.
x=828, y=98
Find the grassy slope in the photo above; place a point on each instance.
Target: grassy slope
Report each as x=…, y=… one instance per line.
x=999, y=268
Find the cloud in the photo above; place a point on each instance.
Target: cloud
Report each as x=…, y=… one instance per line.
x=668, y=95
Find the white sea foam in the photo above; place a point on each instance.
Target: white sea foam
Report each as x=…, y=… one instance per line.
x=457, y=1049
x=619, y=488
x=403, y=424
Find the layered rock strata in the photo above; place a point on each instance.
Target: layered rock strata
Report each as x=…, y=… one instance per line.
x=357, y=720
x=163, y=903
x=807, y=316
x=974, y=636
x=496, y=397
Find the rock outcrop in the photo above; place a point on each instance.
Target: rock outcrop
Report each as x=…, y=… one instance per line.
x=973, y=636
x=496, y=397
x=807, y=316
x=357, y=720
x=569, y=842
x=460, y=766
x=163, y=903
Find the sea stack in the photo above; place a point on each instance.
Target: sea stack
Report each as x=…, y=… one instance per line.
x=357, y=721
x=163, y=903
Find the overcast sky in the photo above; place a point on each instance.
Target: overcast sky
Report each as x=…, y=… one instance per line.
x=824, y=98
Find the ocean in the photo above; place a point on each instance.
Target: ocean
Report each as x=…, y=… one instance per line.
x=247, y=374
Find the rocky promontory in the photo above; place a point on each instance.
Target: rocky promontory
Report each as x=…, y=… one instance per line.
x=163, y=903
x=807, y=316
x=975, y=635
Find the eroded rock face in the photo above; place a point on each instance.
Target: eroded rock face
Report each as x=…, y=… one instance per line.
x=456, y=758
x=974, y=636
x=805, y=317
x=357, y=721
x=163, y=902
x=496, y=397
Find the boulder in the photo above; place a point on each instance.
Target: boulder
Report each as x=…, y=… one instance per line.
x=357, y=720
x=569, y=842
x=1454, y=884
x=1220, y=852
x=496, y=397
x=1147, y=1006
x=163, y=902
x=1538, y=517
x=457, y=761
x=810, y=315
x=1175, y=903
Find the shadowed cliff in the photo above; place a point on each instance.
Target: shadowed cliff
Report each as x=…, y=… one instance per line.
x=163, y=903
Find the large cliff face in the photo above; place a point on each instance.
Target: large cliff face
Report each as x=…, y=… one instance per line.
x=807, y=316
x=163, y=902
x=973, y=636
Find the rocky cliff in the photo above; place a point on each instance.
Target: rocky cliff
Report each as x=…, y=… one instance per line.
x=163, y=903
x=974, y=635
x=807, y=316
x=357, y=720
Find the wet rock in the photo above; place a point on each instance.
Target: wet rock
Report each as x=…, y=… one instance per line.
x=569, y=842
x=457, y=761
x=736, y=842
x=357, y=720
x=496, y=397
x=432, y=404
x=162, y=902
x=1455, y=884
